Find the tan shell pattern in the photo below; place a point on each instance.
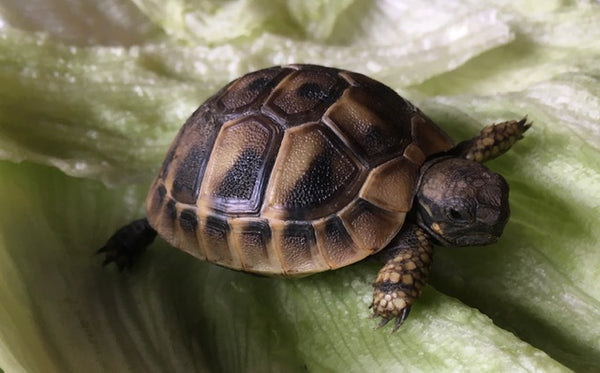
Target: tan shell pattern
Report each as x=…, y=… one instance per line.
x=292, y=170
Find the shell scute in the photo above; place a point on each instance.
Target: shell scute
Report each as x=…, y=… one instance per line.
x=391, y=186
x=184, y=166
x=314, y=175
x=373, y=117
x=370, y=227
x=303, y=96
x=249, y=91
x=336, y=243
x=429, y=137
x=186, y=232
x=295, y=243
x=253, y=238
x=238, y=168
x=214, y=231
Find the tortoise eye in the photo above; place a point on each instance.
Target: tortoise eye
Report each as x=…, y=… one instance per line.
x=454, y=214
x=459, y=213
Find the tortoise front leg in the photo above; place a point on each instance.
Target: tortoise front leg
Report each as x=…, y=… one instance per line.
x=492, y=141
x=400, y=281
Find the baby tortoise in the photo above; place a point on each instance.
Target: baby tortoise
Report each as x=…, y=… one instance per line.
x=298, y=169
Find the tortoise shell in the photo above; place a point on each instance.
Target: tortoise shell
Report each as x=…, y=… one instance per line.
x=293, y=170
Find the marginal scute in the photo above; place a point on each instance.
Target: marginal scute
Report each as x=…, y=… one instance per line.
x=240, y=163
x=314, y=175
x=156, y=198
x=214, y=231
x=391, y=185
x=187, y=238
x=296, y=244
x=252, y=236
x=171, y=210
x=371, y=228
x=336, y=244
x=188, y=221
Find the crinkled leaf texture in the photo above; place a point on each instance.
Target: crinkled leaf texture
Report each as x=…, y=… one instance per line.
x=91, y=94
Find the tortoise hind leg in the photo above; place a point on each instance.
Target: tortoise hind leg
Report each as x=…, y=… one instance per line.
x=492, y=141
x=401, y=280
x=128, y=243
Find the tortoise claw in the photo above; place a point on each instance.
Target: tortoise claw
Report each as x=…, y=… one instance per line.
x=398, y=320
x=383, y=322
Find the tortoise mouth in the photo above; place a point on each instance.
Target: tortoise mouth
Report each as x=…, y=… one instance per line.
x=475, y=239
x=463, y=237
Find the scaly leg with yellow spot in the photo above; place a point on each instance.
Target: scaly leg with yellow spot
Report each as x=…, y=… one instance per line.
x=492, y=141
x=400, y=281
x=458, y=202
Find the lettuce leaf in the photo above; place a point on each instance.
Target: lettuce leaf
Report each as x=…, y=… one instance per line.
x=87, y=110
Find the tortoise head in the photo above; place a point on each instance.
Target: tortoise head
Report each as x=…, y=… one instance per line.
x=461, y=202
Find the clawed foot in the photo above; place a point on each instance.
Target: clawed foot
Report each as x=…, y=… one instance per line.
x=493, y=140
x=127, y=244
x=401, y=315
x=401, y=280
x=391, y=301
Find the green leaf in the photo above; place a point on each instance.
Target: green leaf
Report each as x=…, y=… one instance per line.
x=88, y=111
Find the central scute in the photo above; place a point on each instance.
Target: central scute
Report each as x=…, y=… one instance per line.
x=314, y=175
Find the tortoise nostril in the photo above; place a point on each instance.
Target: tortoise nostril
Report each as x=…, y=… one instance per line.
x=487, y=215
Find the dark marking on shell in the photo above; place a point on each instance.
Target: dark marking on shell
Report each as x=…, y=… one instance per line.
x=188, y=220
x=312, y=91
x=315, y=187
x=216, y=225
x=156, y=199
x=304, y=96
x=379, y=129
x=171, y=210
x=337, y=243
x=302, y=230
x=215, y=230
x=187, y=177
x=167, y=161
x=247, y=91
x=260, y=227
x=330, y=173
x=240, y=165
x=161, y=192
x=240, y=181
x=335, y=230
x=260, y=84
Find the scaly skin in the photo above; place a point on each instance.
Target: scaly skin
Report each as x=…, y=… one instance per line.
x=493, y=140
x=400, y=281
x=409, y=255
